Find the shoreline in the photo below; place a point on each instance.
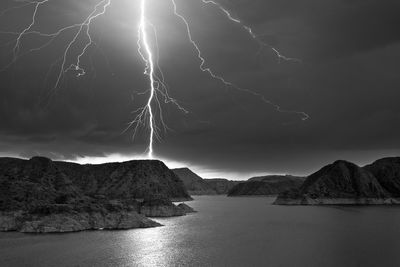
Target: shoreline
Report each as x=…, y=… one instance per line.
x=337, y=202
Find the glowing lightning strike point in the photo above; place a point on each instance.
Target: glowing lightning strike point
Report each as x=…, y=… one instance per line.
x=304, y=116
x=148, y=71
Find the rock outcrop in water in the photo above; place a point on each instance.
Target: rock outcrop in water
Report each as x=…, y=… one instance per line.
x=266, y=185
x=344, y=183
x=186, y=208
x=40, y=195
x=160, y=207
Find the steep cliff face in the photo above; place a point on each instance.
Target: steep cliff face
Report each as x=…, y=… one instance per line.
x=339, y=183
x=194, y=184
x=39, y=195
x=266, y=185
x=387, y=172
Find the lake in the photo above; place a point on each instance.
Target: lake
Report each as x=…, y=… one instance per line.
x=226, y=231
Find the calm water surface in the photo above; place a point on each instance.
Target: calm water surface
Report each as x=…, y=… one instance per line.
x=226, y=232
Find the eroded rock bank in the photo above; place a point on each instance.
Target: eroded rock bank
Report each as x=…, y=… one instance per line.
x=115, y=218
x=72, y=222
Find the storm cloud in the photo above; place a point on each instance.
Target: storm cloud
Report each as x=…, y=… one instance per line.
x=347, y=82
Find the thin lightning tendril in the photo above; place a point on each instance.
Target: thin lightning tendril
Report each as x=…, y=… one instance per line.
x=151, y=115
x=251, y=32
x=86, y=24
x=17, y=46
x=304, y=116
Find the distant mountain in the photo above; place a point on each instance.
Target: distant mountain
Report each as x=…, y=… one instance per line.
x=221, y=186
x=342, y=183
x=266, y=185
x=40, y=195
x=194, y=184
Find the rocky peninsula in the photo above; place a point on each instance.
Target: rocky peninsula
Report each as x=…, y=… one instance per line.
x=41, y=196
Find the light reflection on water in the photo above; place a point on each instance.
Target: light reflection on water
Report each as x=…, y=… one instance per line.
x=155, y=247
x=226, y=232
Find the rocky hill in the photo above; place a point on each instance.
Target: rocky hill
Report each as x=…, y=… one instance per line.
x=266, y=185
x=194, y=184
x=387, y=172
x=340, y=183
x=40, y=195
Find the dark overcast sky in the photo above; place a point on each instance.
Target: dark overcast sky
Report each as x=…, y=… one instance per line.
x=348, y=82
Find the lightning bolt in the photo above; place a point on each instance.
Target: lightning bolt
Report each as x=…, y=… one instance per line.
x=146, y=115
x=149, y=60
x=150, y=115
x=304, y=116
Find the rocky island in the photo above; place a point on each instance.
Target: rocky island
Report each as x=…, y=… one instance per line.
x=344, y=183
x=40, y=195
